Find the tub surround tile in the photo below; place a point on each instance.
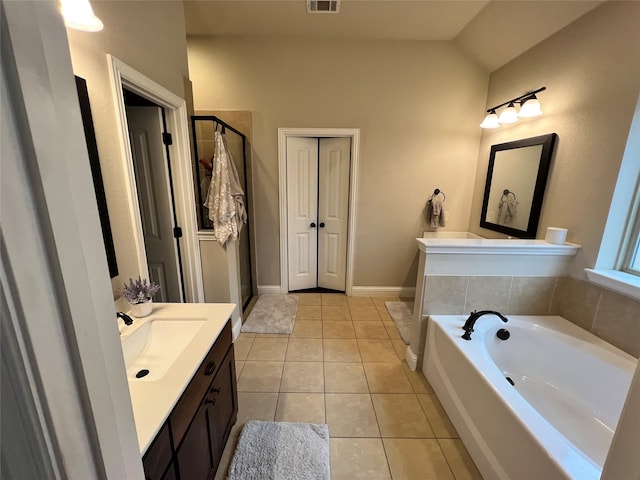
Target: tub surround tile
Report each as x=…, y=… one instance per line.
x=358, y=459
x=438, y=418
x=488, y=293
x=387, y=378
x=341, y=350
x=304, y=350
x=410, y=459
x=459, y=459
x=307, y=329
x=260, y=377
x=577, y=301
x=401, y=416
x=338, y=329
x=531, y=295
x=351, y=415
x=367, y=329
x=377, y=350
x=345, y=378
x=268, y=349
x=300, y=407
x=617, y=321
x=335, y=312
x=445, y=295
x=309, y=312
x=302, y=377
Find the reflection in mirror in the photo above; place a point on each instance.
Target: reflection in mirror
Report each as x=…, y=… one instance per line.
x=516, y=179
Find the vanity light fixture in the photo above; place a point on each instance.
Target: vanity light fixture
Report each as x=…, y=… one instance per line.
x=79, y=15
x=529, y=107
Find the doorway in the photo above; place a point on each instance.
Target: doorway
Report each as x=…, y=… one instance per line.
x=149, y=141
x=318, y=188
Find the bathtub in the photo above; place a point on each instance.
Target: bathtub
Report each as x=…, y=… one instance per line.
x=541, y=405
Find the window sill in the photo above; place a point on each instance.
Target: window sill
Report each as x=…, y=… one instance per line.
x=615, y=280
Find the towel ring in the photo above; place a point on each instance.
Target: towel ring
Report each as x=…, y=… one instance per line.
x=437, y=191
x=506, y=192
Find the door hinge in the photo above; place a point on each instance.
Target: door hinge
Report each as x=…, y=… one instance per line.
x=177, y=232
x=167, y=139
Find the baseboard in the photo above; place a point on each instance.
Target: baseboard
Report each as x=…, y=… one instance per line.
x=383, y=291
x=268, y=289
x=412, y=359
x=236, y=326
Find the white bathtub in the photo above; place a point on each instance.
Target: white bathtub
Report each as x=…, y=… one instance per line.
x=556, y=421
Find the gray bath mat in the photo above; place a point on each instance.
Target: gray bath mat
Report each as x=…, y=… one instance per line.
x=281, y=451
x=272, y=314
x=402, y=315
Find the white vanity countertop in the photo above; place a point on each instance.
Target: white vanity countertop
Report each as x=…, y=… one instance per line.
x=486, y=246
x=152, y=401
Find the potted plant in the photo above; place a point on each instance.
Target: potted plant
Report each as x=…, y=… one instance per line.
x=140, y=294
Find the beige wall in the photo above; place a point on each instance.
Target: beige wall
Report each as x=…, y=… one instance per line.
x=592, y=73
x=416, y=104
x=150, y=37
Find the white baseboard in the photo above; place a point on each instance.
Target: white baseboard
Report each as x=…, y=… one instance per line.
x=268, y=289
x=383, y=291
x=236, y=326
x=412, y=359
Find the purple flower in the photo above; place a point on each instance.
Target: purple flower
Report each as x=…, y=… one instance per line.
x=139, y=291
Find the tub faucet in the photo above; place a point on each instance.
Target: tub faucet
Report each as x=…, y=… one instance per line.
x=474, y=316
x=126, y=318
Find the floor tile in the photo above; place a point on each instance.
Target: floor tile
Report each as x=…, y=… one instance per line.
x=411, y=459
x=380, y=350
x=239, y=367
x=300, y=407
x=351, y=415
x=304, y=350
x=341, y=350
x=246, y=336
x=309, y=299
x=255, y=406
x=418, y=381
x=438, y=419
x=268, y=349
x=384, y=313
x=334, y=299
x=368, y=329
x=360, y=302
x=338, y=329
x=392, y=330
x=387, y=378
x=459, y=459
x=364, y=313
x=400, y=416
x=260, y=377
x=242, y=346
x=344, y=378
x=309, y=312
x=358, y=458
x=335, y=312
x=302, y=377
x=307, y=329
x=272, y=335
x=400, y=347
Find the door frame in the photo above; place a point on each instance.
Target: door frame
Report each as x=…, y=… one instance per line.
x=122, y=75
x=354, y=135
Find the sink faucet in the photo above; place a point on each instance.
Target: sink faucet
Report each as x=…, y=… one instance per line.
x=474, y=316
x=126, y=318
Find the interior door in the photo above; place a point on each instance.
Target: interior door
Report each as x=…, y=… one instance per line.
x=333, y=211
x=154, y=197
x=302, y=212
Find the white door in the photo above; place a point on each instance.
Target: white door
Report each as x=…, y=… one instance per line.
x=317, y=211
x=302, y=212
x=154, y=197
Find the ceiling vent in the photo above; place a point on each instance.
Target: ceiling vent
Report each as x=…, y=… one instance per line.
x=323, y=6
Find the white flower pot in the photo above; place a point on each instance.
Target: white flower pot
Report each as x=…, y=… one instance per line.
x=142, y=309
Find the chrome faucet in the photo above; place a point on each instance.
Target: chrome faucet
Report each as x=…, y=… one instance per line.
x=126, y=318
x=474, y=316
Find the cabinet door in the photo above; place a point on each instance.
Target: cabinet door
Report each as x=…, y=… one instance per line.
x=194, y=454
x=223, y=409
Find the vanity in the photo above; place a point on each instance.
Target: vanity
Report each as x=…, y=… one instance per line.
x=181, y=373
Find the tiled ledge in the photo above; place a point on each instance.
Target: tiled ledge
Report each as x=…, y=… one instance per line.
x=484, y=246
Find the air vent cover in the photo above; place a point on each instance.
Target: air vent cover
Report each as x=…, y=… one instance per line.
x=323, y=6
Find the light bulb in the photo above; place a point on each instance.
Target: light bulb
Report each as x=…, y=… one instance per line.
x=530, y=108
x=509, y=115
x=490, y=121
x=79, y=15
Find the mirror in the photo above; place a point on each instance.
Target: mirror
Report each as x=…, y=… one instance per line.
x=516, y=178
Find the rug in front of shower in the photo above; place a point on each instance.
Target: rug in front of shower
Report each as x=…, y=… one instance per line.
x=402, y=315
x=272, y=313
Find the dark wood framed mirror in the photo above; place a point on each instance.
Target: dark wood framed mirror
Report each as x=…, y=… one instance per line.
x=96, y=173
x=516, y=180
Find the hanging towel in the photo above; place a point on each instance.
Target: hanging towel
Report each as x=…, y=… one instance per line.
x=225, y=199
x=507, y=209
x=435, y=212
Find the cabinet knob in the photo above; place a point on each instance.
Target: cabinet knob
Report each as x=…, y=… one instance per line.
x=211, y=367
x=210, y=402
x=215, y=390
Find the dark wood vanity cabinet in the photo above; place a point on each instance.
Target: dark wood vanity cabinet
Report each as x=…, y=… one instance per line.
x=200, y=423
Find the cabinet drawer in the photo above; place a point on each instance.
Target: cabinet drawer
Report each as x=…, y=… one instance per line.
x=158, y=455
x=188, y=404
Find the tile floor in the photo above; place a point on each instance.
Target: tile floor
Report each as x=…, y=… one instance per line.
x=344, y=365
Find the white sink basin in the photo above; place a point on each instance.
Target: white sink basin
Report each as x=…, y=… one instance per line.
x=155, y=346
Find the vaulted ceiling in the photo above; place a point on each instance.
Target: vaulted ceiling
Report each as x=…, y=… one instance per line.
x=491, y=31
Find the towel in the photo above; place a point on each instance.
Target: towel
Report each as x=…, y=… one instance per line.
x=225, y=199
x=507, y=209
x=435, y=212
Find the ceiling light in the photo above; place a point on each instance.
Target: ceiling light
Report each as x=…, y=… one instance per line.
x=79, y=15
x=509, y=115
x=529, y=107
x=491, y=120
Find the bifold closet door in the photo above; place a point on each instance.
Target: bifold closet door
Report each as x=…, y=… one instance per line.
x=317, y=211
